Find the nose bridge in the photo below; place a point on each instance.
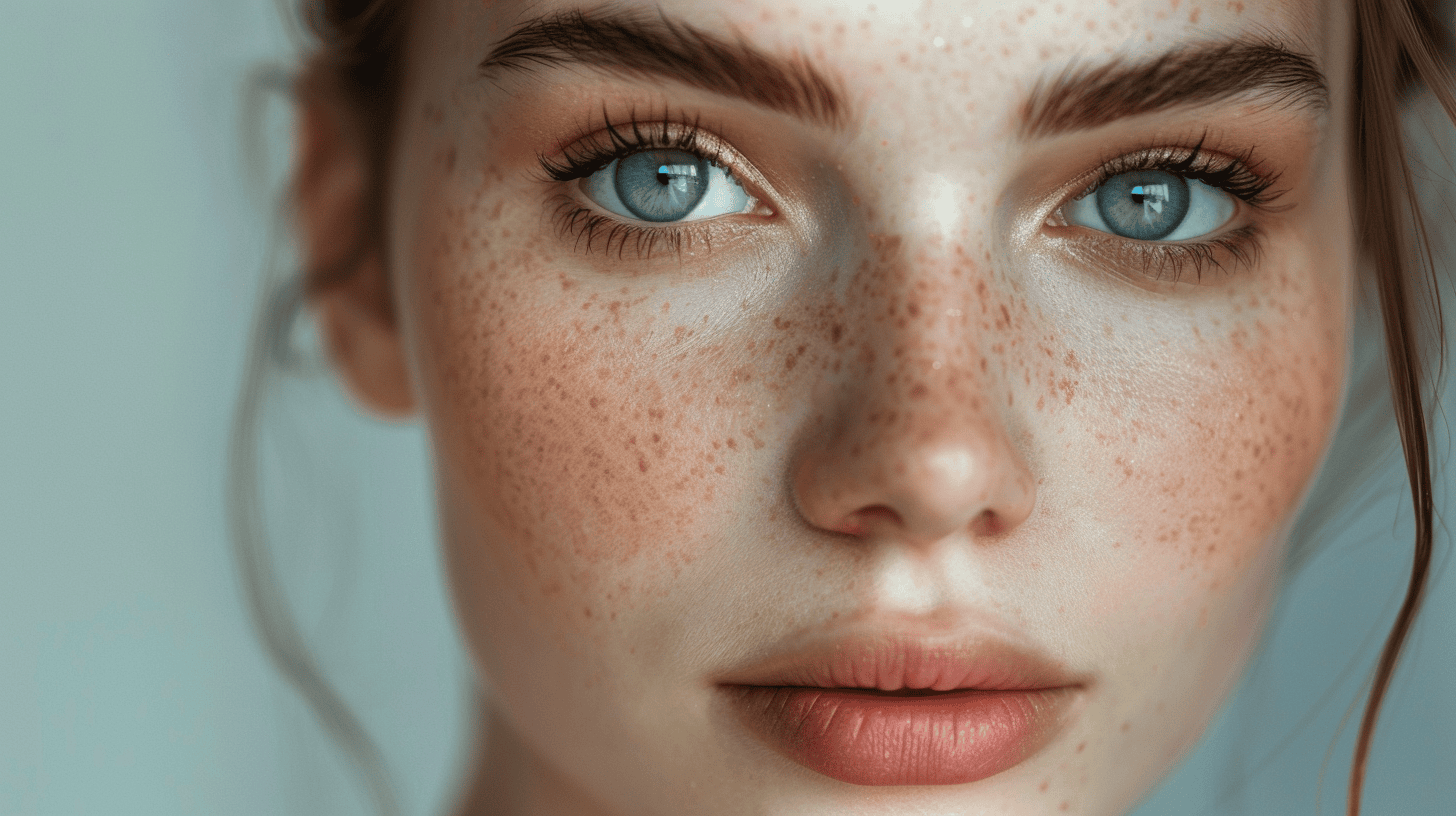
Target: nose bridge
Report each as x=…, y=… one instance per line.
x=930, y=379
x=925, y=277
x=917, y=447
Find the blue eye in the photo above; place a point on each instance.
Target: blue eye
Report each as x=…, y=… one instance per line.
x=664, y=186
x=1152, y=205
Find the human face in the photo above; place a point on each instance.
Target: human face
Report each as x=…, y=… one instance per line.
x=902, y=389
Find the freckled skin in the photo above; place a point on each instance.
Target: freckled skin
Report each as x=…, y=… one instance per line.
x=649, y=470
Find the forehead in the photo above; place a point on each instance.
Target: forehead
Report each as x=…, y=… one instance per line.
x=987, y=40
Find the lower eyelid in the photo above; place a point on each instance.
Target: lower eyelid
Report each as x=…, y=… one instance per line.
x=593, y=231
x=1171, y=262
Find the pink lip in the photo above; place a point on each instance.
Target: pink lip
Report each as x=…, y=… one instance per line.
x=833, y=708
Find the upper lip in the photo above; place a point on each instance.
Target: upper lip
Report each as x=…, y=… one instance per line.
x=891, y=660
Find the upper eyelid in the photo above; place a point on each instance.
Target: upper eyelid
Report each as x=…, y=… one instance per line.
x=602, y=140
x=1085, y=183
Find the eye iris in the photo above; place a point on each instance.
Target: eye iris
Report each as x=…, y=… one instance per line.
x=1143, y=204
x=661, y=185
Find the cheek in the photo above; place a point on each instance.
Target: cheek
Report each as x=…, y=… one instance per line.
x=1203, y=473
x=587, y=439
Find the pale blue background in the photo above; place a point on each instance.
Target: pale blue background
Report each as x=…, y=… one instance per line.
x=134, y=236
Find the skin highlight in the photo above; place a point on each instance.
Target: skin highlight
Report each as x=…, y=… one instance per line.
x=903, y=392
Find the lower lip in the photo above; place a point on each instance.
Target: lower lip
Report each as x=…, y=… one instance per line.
x=872, y=739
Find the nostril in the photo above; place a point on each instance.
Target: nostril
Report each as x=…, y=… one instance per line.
x=988, y=525
x=867, y=519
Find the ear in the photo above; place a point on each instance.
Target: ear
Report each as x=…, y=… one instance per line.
x=351, y=296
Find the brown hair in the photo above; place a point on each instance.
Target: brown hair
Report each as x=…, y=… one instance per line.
x=1399, y=45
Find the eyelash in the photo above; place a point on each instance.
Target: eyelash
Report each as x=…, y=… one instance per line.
x=612, y=142
x=1232, y=175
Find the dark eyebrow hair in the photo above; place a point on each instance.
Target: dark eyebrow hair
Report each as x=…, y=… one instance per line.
x=641, y=45
x=1081, y=98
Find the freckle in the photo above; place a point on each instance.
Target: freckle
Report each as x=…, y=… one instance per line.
x=1194, y=14
x=586, y=610
x=1064, y=805
x=1081, y=747
x=1043, y=786
x=1125, y=727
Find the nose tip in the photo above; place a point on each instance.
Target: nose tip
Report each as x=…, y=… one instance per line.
x=916, y=484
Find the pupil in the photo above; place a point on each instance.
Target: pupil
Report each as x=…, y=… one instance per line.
x=661, y=185
x=1144, y=204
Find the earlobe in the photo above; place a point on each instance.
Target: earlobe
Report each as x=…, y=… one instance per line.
x=367, y=354
x=351, y=296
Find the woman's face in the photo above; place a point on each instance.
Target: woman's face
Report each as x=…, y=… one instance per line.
x=836, y=360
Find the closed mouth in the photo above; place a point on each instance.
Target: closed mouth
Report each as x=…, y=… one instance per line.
x=907, y=692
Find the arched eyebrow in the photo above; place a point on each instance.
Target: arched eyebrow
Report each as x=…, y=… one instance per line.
x=641, y=45
x=1084, y=97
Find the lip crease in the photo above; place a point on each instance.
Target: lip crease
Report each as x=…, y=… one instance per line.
x=887, y=706
x=891, y=662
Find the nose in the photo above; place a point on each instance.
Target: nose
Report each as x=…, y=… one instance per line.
x=915, y=451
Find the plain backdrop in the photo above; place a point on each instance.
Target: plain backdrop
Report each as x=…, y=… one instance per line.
x=133, y=234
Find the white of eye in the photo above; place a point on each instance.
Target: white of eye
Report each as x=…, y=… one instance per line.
x=1208, y=209
x=725, y=196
